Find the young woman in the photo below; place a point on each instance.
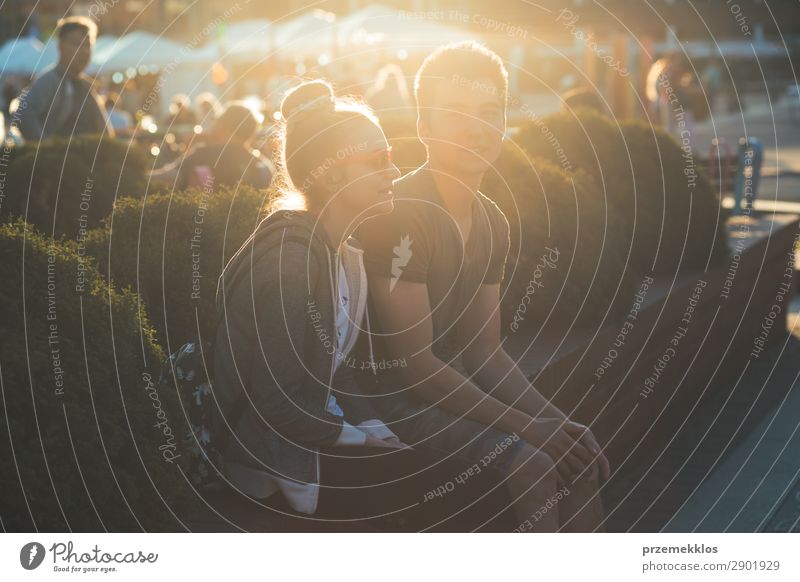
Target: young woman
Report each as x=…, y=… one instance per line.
x=293, y=298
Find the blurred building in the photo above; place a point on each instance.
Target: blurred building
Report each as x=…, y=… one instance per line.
x=179, y=19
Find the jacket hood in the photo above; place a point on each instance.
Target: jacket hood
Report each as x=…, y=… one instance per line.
x=278, y=227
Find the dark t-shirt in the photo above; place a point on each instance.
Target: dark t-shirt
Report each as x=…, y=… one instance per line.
x=420, y=242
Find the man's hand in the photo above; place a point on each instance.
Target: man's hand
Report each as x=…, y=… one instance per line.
x=582, y=434
x=551, y=436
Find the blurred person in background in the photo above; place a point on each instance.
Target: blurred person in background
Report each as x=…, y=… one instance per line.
x=118, y=118
x=389, y=96
x=10, y=93
x=674, y=93
x=61, y=101
x=208, y=108
x=584, y=98
x=130, y=97
x=180, y=112
x=224, y=158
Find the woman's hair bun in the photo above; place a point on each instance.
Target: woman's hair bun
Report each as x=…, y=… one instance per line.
x=310, y=95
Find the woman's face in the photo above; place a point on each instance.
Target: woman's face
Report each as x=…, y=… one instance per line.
x=364, y=172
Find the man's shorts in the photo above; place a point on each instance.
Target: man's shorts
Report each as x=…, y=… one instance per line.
x=474, y=445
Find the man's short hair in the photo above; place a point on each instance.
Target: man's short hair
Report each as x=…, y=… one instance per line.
x=460, y=62
x=81, y=24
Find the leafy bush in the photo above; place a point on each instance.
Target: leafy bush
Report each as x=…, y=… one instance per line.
x=83, y=449
x=67, y=186
x=566, y=260
x=693, y=219
x=641, y=171
x=171, y=249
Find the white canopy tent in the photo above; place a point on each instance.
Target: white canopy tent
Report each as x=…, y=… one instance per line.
x=26, y=56
x=245, y=41
x=307, y=35
x=205, y=55
x=104, y=41
x=378, y=25
x=136, y=49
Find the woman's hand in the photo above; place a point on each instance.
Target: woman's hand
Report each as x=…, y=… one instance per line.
x=377, y=430
x=394, y=440
x=388, y=443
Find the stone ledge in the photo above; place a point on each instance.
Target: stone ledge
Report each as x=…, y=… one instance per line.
x=636, y=404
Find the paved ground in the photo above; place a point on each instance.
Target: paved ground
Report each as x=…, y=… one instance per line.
x=752, y=488
x=754, y=484
x=747, y=465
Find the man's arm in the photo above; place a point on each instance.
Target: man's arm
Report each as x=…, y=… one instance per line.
x=487, y=361
x=100, y=118
x=405, y=317
x=32, y=109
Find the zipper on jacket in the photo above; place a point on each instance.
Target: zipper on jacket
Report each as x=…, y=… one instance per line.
x=369, y=341
x=334, y=281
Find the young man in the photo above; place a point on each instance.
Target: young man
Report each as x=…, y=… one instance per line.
x=440, y=374
x=61, y=101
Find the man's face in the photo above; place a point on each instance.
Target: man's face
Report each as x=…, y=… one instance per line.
x=75, y=51
x=463, y=124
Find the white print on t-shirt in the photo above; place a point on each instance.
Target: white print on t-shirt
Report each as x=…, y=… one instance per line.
x=402, y=254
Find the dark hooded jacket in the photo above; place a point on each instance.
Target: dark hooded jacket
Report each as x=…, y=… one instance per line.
x=275, y=347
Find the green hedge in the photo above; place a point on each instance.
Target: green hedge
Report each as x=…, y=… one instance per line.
x=567, y=261
x=693, y=219
x=66, y=186
x=83, y=452
x=159, y=245
x=643, y=175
